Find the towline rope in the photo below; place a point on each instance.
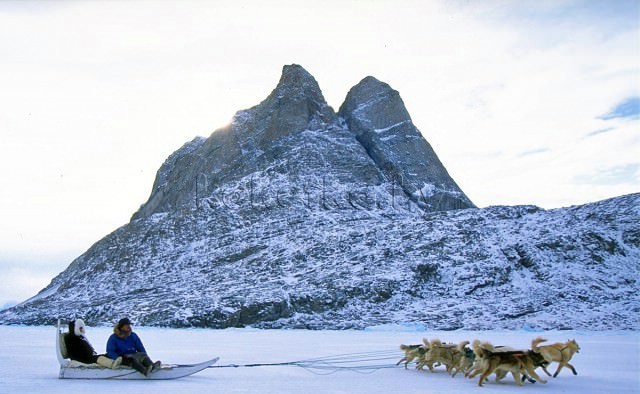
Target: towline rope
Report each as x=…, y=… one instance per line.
x=368, y=362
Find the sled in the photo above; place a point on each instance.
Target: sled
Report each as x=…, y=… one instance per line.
x=70, y=369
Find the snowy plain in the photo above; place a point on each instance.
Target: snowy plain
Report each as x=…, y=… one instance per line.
x=608, y=362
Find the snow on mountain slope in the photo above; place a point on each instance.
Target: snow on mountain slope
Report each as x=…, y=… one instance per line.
x=506, y=267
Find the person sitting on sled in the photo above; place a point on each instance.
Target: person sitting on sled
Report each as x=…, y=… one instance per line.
x=126, y=344
x=79, y=348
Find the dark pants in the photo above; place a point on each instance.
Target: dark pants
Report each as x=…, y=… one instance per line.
x=138, y=361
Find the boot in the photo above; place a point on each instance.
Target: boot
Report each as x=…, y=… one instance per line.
x=146, y=361
x=149, y=365
x=138, y=366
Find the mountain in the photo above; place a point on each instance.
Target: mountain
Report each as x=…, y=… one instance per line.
x=294, y=142
x=297, y=216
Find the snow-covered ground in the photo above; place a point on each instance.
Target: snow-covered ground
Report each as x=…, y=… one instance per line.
x=608, y=362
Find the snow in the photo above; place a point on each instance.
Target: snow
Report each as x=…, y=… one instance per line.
x=607, y=362
x=427, y=190
x=393, y=126
x=346, y=267
x=362, y=106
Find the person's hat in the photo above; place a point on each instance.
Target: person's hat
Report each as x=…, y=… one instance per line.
x=123, y=322
x=78, y=328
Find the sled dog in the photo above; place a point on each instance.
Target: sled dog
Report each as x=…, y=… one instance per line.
x=422, y=360
x=536, y=358
x=489, y=360
x=445, y=353
x=417, y=353
x=559, y=352
x=411, y=352
x=467, y=358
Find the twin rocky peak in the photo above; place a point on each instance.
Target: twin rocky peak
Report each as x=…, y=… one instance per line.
x=294, y=139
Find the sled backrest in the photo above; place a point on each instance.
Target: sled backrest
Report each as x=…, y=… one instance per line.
x=61, y=347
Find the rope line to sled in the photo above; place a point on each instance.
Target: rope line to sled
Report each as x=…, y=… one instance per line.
x=335, y=363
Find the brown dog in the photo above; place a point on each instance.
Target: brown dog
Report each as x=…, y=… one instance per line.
x=517, y=363
x=559, y=352
x=463, y=359
x=445, y=353
x=536, y=359
x=417, y=353
x=489, y=360
x=423, y=361
x=411, y=352
x=480, y=350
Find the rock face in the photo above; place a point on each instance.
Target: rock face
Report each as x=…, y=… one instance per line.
x=295, y=216
x=251, y=142
x=295, y=139
x=381, y=123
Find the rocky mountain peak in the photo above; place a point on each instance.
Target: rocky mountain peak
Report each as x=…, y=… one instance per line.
x=376, y=114
x=250, y=143
x=295, y=105
x=294, y=131
x=375, y=103
x=297, y=81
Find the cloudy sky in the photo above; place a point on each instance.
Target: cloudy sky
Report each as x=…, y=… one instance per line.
x=525, y=102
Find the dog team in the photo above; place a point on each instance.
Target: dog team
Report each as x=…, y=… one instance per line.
x=484, y=359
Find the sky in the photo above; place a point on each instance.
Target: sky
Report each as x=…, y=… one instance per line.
x=525, y=102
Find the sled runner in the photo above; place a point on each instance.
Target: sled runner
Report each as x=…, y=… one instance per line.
x=70, y=369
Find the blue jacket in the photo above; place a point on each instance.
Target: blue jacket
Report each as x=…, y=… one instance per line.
x=118, y=346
